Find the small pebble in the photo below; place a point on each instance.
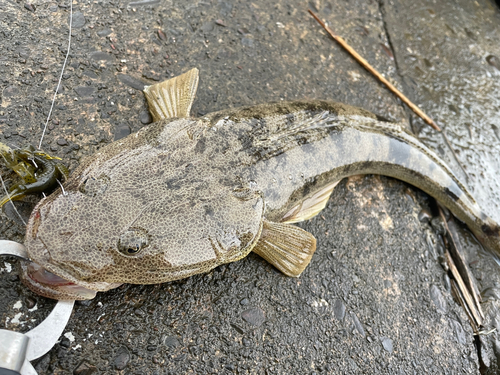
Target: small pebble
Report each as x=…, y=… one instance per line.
x=65, y=343
x=104, y=32
x=171, y=341
x=122, y=359
x=387, y=344
x=145, y=117
x=339, y=310
x=493, y=61
x=30, y=7
x=30, y=302
x=438, y=299
x=84, y=368
x=131, y=81
x=162, y=35
x=255, y=316
x=78, y=20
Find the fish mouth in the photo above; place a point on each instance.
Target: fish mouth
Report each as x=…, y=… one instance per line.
x=50, y=280
x=50, y=285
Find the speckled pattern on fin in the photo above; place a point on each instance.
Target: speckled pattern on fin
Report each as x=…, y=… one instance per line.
x=173, y=97
x=287, y=247
x=311, y=206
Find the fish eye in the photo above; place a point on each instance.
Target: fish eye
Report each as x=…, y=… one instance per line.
x=133, y=241
x=133, y=250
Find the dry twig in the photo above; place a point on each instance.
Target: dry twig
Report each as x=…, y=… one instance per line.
x=379, y=76
x=390, y=86
x=461, y=274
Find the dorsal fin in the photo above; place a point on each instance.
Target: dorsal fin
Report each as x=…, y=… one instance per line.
x=173, y=97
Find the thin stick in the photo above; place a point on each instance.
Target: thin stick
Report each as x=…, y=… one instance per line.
x=396, y=92
x=372, y=70
x=455, y=291
x=464, y=281
x=60, y=77
x=463, y=289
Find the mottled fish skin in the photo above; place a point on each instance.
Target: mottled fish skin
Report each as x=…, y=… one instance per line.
x=300, y=147
x=195, y=192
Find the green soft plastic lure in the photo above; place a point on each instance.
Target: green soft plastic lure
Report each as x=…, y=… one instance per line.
x=38, y=172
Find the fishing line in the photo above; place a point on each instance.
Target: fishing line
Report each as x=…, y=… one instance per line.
x=10, y=200
x=51, y=108
x=62, y=188
x=60, y=77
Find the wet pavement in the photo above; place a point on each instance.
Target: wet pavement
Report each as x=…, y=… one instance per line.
x=374, y=298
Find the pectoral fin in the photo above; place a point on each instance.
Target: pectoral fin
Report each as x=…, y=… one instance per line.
x=287, y=247
x=173, y=97
x=311, y=206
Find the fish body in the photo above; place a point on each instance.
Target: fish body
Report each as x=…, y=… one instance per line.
x=185, y=195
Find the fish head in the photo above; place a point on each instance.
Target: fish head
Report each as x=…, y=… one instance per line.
x=140, y=215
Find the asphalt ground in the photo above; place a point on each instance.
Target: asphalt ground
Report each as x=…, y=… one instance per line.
x=375, y=298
